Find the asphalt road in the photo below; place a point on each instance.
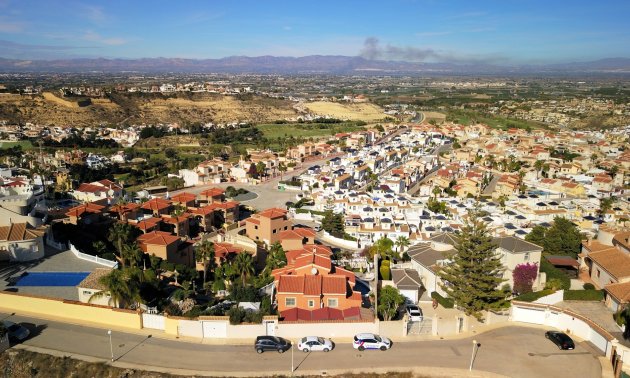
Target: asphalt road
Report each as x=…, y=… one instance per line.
x=510, y=351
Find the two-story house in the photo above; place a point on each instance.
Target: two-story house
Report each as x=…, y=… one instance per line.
x=267, y=225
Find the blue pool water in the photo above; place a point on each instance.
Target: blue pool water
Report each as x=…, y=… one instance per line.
x=51, y=278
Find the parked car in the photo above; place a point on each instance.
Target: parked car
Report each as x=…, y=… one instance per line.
x=16, y=331
x=265, y=343
x=561, y=339
x=363, y=341
x=415, y=313
x=314, y=343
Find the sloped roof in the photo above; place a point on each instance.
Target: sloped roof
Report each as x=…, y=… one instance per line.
x=183, y=197
x=406, y=279
x=444, y=238
x=90, y=208
x=212, y=192
x=92, y=281
x=148, y=223
x=621, y=291
x=20, y=231
x=158, y=238
x=273, y=213
x=334, y=285
x=156, y=204
x=615, y=262
x=516, y=245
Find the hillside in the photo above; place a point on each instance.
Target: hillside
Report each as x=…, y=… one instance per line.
x=49, y=109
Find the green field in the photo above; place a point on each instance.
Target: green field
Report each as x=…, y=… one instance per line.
x=26, y=144
x=467, y=117
x=306, y=130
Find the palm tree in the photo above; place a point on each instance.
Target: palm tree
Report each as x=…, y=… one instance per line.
x=401, y=243
x=119, y=234
x=205, y=254
x=538, y=165
x=121, y=287
x=436, y=191
x=276, y=257
x=132, y=254
x=244, y=266
x=185, y=291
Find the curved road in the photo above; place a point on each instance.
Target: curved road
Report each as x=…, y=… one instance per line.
x=511, y=351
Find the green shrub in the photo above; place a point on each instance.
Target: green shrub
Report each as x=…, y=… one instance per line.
x=385, y=272
x=237, y=315
x=554, y=273
x=583, y=295
x=253, y=317
x=534, y=295
x=444, y=302
x=588, y=286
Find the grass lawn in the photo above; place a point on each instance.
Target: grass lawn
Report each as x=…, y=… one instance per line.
x=26, y=144
x=306, y=130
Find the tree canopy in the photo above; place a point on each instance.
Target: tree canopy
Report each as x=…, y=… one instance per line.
x=562, y=238
x=474, y=272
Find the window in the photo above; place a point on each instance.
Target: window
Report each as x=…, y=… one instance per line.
x=333, y=302
x=87, y=292
x=255, y=227
x=598, y=273
x=526, y=257
x=274, y=231
x=289, y=302
x=311, y=303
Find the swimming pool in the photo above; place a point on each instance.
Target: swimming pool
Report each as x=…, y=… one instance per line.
x=51, y=278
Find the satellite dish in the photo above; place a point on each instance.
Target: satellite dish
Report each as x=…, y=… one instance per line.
x=314, y=271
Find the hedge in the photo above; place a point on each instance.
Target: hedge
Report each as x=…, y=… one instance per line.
x=553, y=272
x=532, y=296
x=445, y=302
x=313, y=212
x=583, y=295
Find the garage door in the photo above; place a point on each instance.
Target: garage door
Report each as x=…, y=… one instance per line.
x=412, y=295
x=214, y=329
x=528, y=315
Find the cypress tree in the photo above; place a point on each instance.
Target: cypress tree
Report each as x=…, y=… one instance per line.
x=474, y=272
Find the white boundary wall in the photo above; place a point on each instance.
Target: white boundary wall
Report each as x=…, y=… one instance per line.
x=564, y=320
x=95, y=259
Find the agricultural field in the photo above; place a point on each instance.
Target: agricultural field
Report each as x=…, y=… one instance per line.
x=306, y=130
x=353, y=112
x=26, y=144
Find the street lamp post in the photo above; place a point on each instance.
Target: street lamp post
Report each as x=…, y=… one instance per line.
x=111, y=347
x=292, y=370
x=476, y=346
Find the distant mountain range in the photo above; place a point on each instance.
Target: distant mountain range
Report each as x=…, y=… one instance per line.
x=313, y=64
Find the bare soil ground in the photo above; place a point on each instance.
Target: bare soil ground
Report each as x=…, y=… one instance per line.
x=438, y=117
x=354, y=112
x=49, y=109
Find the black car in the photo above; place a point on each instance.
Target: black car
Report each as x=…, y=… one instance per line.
x=264, y=343
x=561, y=339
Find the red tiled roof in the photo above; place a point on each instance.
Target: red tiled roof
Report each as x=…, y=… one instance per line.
x=212, y=192
x=312, y=285
x=148, y=223
x=89, y=188
x=156, y=204
x=291, y=284
x=183, y=197
x=273, y=213
x=158, y=238
x=334, y=285
x=91, y=208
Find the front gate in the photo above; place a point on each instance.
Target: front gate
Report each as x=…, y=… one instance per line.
x=153, y=321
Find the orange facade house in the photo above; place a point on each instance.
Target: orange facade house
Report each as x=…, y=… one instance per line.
x=311, y=283
x=157, y=206
x=295, y=238
x=167, y=247
x=267, y=225
x=212, y=195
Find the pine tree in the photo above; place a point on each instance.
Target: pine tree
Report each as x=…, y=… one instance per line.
x=474, y=273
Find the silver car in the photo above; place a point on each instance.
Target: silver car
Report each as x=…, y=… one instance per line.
x=16, y=331
x=314, y=343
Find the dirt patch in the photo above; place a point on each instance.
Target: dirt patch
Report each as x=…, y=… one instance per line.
x=59, y=101
x=353, y=112
x=437, y=117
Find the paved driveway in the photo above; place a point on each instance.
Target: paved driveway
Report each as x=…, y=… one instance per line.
x=597, y=312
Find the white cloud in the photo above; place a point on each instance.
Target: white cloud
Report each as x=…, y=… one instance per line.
x=111, y=41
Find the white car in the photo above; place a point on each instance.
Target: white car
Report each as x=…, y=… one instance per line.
x=314, y=343
x=363, y=341
x=415, y=313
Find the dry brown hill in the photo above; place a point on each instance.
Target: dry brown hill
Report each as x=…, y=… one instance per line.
x=49, y=109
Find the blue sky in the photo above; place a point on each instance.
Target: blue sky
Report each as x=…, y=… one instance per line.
x=501, y=32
